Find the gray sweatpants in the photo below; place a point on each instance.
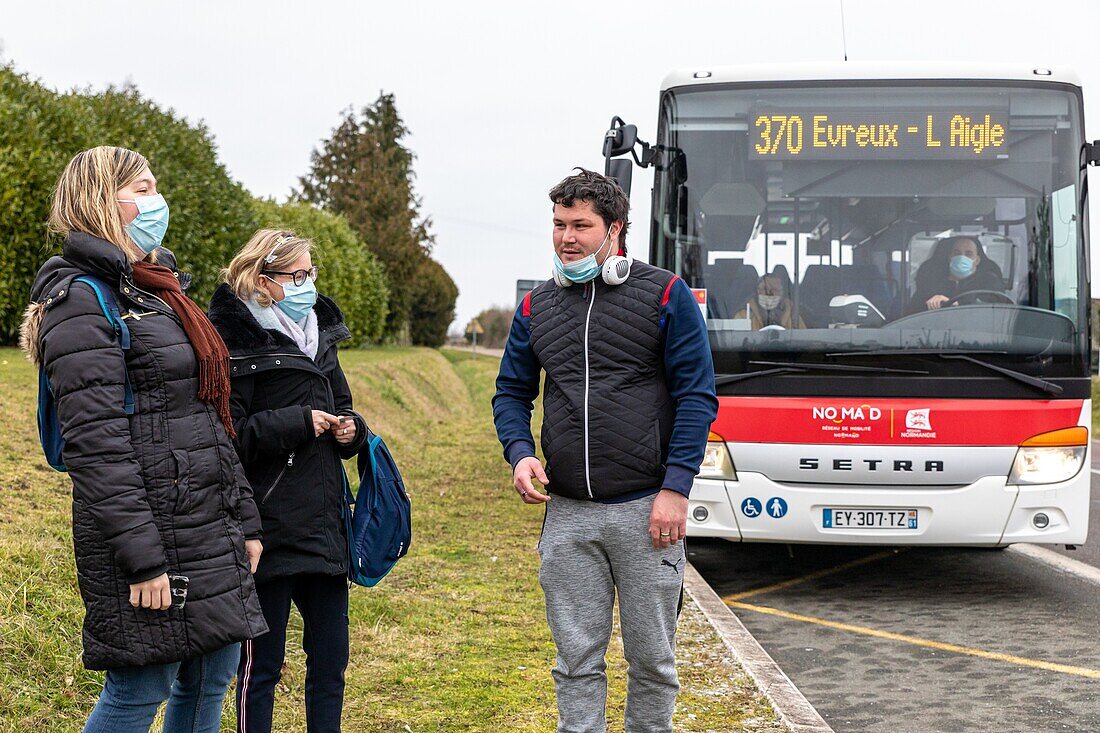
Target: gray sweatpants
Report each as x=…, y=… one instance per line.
x=589, y=551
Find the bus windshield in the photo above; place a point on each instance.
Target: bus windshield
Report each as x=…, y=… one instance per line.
x=879, y=219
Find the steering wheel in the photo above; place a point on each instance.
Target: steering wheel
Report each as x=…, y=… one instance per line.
x=998, y=296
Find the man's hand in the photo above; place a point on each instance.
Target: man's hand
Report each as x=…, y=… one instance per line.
x=253, y=548
x=523, y=479
x=936, y=301
x=155, y=594
x=668, y=520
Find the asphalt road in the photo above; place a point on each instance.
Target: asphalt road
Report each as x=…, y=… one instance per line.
x=922, y=640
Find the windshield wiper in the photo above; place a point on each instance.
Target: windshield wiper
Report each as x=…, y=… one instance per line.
x=1036, y=382
x=912, y=352
x=786, y=367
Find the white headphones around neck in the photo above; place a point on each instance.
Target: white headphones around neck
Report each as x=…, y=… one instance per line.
x=615, y=271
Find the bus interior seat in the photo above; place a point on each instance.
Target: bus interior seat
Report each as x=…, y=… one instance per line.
x=819, y=285
x=730, y=284
x=868, y=281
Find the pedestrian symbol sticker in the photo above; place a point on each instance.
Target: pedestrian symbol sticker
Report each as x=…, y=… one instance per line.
x=750, y=507
x=777, y=508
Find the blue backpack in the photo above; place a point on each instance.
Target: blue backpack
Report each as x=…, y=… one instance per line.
x=49, y=426
x=378, y=518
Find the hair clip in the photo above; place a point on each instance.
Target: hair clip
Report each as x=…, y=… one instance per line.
x=279, y=242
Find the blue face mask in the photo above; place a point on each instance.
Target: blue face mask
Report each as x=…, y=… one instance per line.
x=962, y=266
x=298, y=300
x=584, y=269
x=148, y=227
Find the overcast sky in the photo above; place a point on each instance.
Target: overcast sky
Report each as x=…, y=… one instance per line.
x=502, y=98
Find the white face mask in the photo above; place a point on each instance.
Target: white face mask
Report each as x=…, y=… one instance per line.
x=770, y=302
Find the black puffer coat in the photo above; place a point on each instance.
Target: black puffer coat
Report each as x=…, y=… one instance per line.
x=298, y=478
x=160, y=490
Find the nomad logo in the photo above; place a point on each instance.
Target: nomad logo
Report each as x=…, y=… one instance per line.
x=842, y=414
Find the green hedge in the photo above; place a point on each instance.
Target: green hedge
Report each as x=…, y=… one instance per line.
x=349, y=273
x=39, y=132
x=212, y=215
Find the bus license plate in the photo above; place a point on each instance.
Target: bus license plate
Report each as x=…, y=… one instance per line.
x=837, y=518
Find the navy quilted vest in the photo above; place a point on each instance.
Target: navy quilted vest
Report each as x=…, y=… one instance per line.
x=607, y=411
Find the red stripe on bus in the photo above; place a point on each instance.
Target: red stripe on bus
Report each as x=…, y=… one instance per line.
x=895, y=421
x=668, y=289
x=526, y=306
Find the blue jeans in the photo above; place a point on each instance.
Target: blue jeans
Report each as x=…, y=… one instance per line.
x=194, y=690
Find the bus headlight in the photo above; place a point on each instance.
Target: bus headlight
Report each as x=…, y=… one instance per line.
x=717, y=462
x=1049, y=458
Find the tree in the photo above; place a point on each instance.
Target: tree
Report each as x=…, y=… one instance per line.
x=432, y=303
x=496, y=322
x=364, y=173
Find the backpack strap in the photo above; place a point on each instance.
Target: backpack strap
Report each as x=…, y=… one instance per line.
x=109, y=304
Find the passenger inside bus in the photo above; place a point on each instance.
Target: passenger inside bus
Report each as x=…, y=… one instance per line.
x=770, y=305
x=958, y=265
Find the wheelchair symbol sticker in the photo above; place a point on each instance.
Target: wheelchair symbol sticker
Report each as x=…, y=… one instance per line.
x=777, y=508
x=751, y=507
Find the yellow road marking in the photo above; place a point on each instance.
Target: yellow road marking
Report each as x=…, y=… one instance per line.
x=996, y=656
x=810, y=576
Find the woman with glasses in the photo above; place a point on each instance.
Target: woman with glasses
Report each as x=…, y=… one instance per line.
x=292, y=411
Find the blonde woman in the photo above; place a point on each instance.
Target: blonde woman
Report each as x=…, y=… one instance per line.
x=293, y=415
x=157, y=487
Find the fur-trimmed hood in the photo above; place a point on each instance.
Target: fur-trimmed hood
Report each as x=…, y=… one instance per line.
x=244, y=335
x=82, y=254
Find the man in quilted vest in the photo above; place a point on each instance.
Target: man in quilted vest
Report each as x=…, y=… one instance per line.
x=628, y=403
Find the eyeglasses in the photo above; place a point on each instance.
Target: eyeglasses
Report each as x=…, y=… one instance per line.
x=298, y=275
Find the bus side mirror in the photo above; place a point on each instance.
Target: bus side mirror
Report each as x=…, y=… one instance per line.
x=1092, y=153
x=622, y=170
x=619, y=140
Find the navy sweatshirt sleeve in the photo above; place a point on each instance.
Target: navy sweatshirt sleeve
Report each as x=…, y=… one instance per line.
x=517, y=388
x=689, y=371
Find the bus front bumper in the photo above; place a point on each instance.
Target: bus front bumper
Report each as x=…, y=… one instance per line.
x=984, y=513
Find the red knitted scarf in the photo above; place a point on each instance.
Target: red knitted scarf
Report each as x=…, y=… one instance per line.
x=209, y=348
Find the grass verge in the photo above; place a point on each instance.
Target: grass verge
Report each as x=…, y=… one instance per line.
x=455, y=639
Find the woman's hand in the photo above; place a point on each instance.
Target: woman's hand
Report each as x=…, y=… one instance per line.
x=253, y=548
x=344, y=430
x=323, y=421
x=153, y=594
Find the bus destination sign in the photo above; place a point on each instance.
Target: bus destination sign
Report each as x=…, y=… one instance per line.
x=860, y=134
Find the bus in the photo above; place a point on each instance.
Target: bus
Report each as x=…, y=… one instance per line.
x=874, y=388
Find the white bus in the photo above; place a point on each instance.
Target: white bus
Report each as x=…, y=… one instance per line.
x=817, y=211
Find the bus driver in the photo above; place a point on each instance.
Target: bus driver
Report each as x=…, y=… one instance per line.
x=958, y=265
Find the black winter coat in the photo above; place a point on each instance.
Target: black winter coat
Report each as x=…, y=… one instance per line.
x=298, y=477
x=160, y=490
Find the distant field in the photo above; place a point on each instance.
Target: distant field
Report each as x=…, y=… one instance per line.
x=455, y=639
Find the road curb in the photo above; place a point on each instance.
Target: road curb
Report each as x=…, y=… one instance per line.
x=1059, y=562
x=792, y=707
